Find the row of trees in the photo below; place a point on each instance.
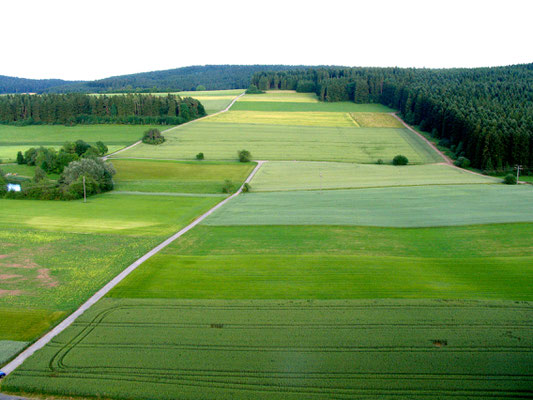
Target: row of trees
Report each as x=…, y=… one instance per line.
x=52, y=161
x=483, y=114
x=75, y=108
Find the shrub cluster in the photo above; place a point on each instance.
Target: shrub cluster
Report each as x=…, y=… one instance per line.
x=254, y=90
x=153, y=136
x=97, y=173
x=400, y=160
x=244, y=156
x=52, y=161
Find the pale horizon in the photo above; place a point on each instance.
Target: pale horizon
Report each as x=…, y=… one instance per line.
x=71, y=41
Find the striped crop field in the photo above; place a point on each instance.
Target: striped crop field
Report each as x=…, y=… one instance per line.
x=412, y=206
x=302, y=175
x=222, y=140
x=287, y=350
x=281, y=96
x=333, y=119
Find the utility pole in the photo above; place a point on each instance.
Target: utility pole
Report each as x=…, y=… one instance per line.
x=518, y=172
x=84, y=191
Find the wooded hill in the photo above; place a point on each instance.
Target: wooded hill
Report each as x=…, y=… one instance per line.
x=76, y=108
x=211, y=77
x=484, y=114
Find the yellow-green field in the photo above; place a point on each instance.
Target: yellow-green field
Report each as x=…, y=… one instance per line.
x=282, y=96
x=376, y=120
x=332, y=119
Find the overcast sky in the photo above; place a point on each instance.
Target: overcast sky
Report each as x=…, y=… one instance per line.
x=95, y=39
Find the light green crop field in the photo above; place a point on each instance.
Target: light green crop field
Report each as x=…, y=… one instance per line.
x=303, y=175
x=333, y=119
x=340, y=262
x=299, y=106
x=106, y=213
x=376, y=120
x=178, y=177
x=54, y=255
x=413, y=206
x=213, y=93
x=8, y=348
x=287, y=350
x=281, y=96
x=20, y=138
x=221, y=141
x=23, y=170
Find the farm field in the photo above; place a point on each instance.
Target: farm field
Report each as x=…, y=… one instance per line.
x=301, y=175
x=403, y=282
x=178, y=177
x=412, y=206
x=207, y=349
x=220, y=141
x=299, y=106
x=340, y=262
x=376, y=120
x=333, y=119
x=282, y=96
x=20, y=138
x=213, y=100
x=54, y=255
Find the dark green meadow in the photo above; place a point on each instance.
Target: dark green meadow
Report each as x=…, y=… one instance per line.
x=334, y=262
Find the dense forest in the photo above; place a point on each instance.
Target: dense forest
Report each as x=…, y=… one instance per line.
x=484, y=114
x=211, y=77
x=75, y=108
x=10, y=84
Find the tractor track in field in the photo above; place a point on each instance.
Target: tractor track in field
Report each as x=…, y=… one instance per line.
x=39, y=344
x=177, y=126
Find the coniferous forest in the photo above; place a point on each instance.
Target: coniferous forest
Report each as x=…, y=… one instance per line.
x=75, y=108
x=484, y=114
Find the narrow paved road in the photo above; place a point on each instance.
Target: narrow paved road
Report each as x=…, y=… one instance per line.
x=178, y=126
x=115, y=281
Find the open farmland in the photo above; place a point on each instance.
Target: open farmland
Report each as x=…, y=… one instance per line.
x=414, y=206
x=404, y=282
x=333, y=119
x=220, y=141
x=209, y=349
x=20, y=138
x=301, y=175
x=376, y=120
x=340, y=262
x=54, y=255
x=178, y=177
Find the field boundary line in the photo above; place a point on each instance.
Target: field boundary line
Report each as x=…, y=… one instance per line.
x=43, y=341
x=177, y=194
x=177, y=126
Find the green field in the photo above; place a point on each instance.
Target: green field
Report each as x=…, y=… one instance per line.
x=220, y=141
x=178, y=177
x=413, y=206
x=54, y=255
x=308, y=349
x=281, y=96
x=333, y=119
x=376, y=120
x=301, y=175
x=341, y=262
x=21, y=138
x=299, y=106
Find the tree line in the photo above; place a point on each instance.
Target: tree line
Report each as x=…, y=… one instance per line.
x=76, y=108
x=483, y=114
